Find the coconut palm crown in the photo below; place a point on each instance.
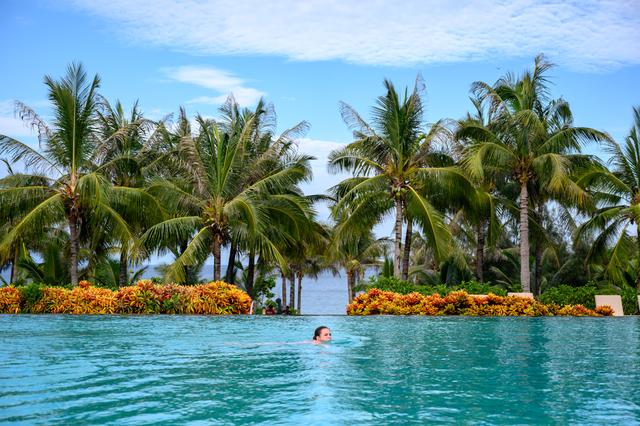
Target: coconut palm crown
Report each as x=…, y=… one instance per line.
x=523, y=143
x=74, y=195
x=393, y=162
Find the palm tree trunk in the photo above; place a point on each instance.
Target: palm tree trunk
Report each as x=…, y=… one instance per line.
x=407, y=250
x=231, y=266
x=350, y=285
x=300, y=275
x=187, y=269
x=292, y=290
x=215, y=250
x=14, y=266
x=398, y=241
x=480, y=251
x=251, y=267
x=537, y=267
x=74, y=246
x=284, y=289
x=525, y=279
x=123, y=278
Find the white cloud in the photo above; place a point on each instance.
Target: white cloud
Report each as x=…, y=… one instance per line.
x=586, y=34
x=218, y=80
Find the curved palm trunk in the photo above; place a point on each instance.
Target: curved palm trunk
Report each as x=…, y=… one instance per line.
x=74, y=246
x=350, y=285
x=407, y=250
x=215, y=250
x=14, y=266
x=292, y=290
x=525, y=278
x=123, y=278
x=480, y=251
x=284, y=290
x=251, y=268
x=398, y=239
x=300, y=275
x=231, y=266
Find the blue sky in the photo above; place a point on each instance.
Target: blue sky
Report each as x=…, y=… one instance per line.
x=305, y=57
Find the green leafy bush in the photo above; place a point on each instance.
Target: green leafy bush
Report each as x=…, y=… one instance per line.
x=585, y=295
x=31, y=294
x=568, y=295
x=397, y=285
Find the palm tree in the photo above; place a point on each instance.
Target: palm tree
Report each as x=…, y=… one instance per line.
x=73, y=192
x=220, y=205
x=519, y=144
x=392, y=164
x=264, y=153
x=122, y=157
x=306, y=256
x=480, y=208
x=354, y=254
x=617, y=193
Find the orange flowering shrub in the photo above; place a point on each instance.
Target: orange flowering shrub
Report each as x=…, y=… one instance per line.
x=215, y=298
x=379, y=302
x=10, y=300
x=604, y=310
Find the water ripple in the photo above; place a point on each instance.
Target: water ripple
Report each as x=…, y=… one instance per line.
x=254, y=370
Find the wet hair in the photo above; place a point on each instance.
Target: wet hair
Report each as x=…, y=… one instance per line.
x=316, y=333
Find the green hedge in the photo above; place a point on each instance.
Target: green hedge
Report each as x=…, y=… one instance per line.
x=568, y=295
x=405, y=287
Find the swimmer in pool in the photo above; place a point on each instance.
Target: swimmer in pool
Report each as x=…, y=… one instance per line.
x=322, y=334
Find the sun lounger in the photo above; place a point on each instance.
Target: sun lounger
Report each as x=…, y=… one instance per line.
x=614, y=301
x=525, y=295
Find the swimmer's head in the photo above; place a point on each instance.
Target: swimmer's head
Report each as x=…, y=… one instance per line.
x=322, y=334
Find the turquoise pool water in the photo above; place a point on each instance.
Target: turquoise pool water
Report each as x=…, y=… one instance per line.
x=379, y=370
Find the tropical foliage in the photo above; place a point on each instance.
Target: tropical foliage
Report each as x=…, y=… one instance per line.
x=215, y=298
x=378, y=302
x=504, y=198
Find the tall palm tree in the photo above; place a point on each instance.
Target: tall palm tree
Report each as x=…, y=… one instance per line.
x=617, y=193
x=220, y=207
x=391, y=164
x=73, y=192
x=122, y=157
x=481, y=207
x=519, y=144
x=354, y=254
x=264, y=153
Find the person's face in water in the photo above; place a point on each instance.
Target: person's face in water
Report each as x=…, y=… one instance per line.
x=324, y=336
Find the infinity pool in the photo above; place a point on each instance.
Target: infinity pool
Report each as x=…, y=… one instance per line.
x=379, y=370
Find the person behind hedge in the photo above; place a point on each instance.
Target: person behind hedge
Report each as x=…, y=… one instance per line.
x=322, y=334
x=279, y=308
x=269, y=310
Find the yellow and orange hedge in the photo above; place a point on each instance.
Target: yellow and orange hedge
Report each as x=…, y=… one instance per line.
x=378, y=302
x=214, y=298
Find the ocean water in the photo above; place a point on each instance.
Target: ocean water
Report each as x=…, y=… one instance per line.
x=157, y=370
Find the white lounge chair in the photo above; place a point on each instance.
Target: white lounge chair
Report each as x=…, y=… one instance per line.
x=525, y=295
x=614, y=301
